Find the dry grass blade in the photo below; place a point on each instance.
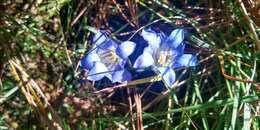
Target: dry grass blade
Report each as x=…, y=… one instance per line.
x=123, y=14
x=138, y=102
x=129, y=84
x=31, y=91
x=221, y=59
x=130, y=107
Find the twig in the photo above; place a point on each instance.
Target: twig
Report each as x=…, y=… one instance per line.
x=138, y=110
x=77, y=18
x=135, y=82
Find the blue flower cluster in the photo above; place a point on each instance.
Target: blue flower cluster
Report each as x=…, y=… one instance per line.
x=163, y=54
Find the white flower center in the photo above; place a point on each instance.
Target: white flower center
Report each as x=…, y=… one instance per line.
x=109, y=58
x=165, y=57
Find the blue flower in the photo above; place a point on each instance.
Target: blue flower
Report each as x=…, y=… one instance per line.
x=165, y=54
x=107, y=59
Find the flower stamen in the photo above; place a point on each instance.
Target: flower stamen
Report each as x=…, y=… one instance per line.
x=165, y=57
x=109, y=58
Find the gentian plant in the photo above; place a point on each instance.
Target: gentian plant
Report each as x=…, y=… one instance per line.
x=165, y=54
x=107, y=59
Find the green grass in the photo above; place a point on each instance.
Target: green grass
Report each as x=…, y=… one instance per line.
x=46, y=40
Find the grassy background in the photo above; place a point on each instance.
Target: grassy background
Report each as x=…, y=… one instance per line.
x=41, y=43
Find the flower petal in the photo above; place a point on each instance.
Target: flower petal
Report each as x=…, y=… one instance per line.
x=154, y=39
x=108, y=45
x=185, y=60
x=180, y=49
x=101, y=40
x=144, y=60
x=168, y=75
x=176, y=38
x=121, y=76
x=88, y=60
x=121, y=64
x=98, y=71
x=161, y=70
x=100, y=37
x=125, y=49
x=150, y=49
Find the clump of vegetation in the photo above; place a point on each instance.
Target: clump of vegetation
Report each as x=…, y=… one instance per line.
x=44, y=86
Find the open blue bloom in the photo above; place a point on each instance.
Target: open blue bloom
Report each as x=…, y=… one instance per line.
x=165, y=54
x=107, y=59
